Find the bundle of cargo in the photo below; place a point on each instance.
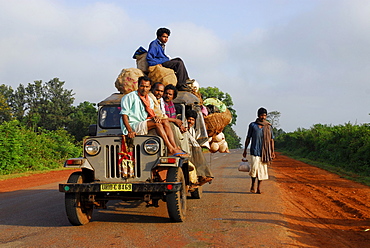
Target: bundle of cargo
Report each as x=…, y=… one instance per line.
x=141, y=62
x=218, y=118
x=158, y=73
x=127, y=80
x=218, y=143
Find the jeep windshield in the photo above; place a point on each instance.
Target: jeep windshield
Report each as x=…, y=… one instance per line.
x=109, y=117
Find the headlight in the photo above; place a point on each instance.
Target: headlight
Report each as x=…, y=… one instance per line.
x=92, y=147
x=151, y=146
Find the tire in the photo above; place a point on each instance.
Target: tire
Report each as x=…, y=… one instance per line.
x=79, y=212
x=176, y=201
x=197, y=193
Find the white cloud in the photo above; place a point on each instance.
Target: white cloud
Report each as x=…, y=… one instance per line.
x=310, y=63
x=313, y=68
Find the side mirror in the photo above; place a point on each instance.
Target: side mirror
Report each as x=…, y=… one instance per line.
x=93, y=129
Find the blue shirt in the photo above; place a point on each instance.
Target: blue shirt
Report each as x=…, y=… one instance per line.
x=256, y=134
x=156, y=54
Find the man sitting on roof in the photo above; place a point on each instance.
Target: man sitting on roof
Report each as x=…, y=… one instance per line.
x=156, y=56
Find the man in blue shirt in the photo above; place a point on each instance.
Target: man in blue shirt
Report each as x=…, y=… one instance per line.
x=156, y=56
x=261, y=150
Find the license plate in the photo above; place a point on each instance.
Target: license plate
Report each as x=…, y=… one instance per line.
x=116, y=187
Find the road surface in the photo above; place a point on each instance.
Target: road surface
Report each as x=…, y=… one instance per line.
x=300, y=206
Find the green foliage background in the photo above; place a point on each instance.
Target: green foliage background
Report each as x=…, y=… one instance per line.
x=23, y=149
x=344, y=146
x=39, y=126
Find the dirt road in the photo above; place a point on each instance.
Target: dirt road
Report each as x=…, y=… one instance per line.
x=301, y=206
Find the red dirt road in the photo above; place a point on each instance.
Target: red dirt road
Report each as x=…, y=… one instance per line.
x=327, y=210
x=321, y=209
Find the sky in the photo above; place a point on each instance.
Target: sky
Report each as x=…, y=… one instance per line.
x=309, y=60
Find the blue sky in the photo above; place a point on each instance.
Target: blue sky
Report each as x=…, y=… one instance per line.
x=307, y=59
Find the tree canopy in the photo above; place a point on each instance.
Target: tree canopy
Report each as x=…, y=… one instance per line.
x=82, y=117
x=46, y=105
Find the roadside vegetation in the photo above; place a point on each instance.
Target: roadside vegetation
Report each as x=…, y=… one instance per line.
x=40, y=127
x=23, y=149
x=343, y=149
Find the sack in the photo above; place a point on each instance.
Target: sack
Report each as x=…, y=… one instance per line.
x=127, y=80
x=162, y=74
x=141, y=62
x=140, y=56
x=244, y=166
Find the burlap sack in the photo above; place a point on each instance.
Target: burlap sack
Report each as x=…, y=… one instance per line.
x=127, y=80
x=141, y=62
x=162, y=74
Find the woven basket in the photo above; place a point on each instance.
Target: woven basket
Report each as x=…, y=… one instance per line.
x=216, y=122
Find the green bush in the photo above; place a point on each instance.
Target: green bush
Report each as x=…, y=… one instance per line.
x=345, y=146
x=25, y=150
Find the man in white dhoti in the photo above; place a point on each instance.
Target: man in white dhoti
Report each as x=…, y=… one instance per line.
x=261, y=150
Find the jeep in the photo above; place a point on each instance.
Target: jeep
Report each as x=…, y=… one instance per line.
x=114, y=167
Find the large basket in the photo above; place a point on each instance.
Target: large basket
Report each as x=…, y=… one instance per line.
x=216, y=122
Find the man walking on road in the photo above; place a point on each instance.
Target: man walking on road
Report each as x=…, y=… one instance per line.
x=261, y=150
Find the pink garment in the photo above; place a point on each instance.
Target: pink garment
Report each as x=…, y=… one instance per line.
x=204, y=110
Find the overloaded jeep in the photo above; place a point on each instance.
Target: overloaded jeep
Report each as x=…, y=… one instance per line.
x=114, y=167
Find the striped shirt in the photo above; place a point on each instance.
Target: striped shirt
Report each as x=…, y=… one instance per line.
x=170, y=109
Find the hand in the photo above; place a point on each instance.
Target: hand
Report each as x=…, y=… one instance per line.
x=178, y=123
x=183, y=129
x=156, y=119
x=244, y=154
x=273, y=155
x=131, y=134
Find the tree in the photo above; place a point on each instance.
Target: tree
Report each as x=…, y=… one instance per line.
x=5, y=110
x=233, y=140
x=231, y=137
x=273, y=117
x=82, y=117
x=18, y=102
x=56, y=105
x=46, y=105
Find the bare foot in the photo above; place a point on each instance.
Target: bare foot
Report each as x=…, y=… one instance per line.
x=204, y=180
x=252, y=190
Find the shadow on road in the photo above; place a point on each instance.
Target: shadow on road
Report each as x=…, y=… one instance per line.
x=226, y=192
x=45, y=208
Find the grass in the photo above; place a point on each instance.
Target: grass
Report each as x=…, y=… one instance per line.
x=363, y=179
x=29, y=173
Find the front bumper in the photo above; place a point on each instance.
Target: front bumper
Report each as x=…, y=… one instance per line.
x=135, y=187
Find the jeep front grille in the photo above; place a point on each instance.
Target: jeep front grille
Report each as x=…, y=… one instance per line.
x=112, y=167
x=111, y=162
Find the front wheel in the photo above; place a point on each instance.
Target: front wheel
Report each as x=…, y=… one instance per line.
x=176, y=201
x=79, y=211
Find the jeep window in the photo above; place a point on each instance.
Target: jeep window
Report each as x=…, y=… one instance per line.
x=109, y=117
